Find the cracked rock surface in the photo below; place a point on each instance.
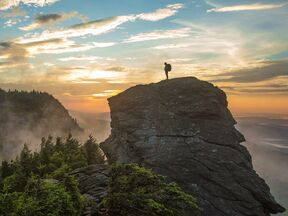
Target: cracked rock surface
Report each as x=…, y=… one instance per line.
x=182, y=129
x=93, y=184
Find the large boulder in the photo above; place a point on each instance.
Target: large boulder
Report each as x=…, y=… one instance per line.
x=182, y=129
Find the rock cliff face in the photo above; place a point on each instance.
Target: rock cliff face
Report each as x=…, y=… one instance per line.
x=182, y=129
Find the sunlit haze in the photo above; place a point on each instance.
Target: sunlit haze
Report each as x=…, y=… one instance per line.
x=83, y=52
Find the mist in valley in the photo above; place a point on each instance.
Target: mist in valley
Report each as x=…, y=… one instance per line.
x=26, y=117
x=95, y=124
x=267, y=142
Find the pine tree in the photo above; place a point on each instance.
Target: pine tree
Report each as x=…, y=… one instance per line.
x=6, y=169
x=93, y=153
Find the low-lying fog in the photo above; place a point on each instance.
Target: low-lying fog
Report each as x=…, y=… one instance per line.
x=267, y=142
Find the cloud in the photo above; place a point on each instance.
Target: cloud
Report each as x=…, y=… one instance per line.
x=11, y=22
x=267, y=88
x=96, y=27
x=59, y=46
x=86, y=58
x=213, y=4
x=103, y=44
x=15, y=54
x=84, y=74
x=247, y=7
x=162, y=13
x=15, y=12
x=56, y=46
x=106, y=93
x=268, y=71
x=8, y=65
x=224, y=47
x=7, y=4
x=53, y=46
x=172, y=46
x=49, y=19
x=57, y=42
x=159, y=34
x=12, y=51
x=89, y=74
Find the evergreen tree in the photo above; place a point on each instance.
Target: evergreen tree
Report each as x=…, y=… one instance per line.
x=93, y=152
x=6, y=169
x=134, y=190
x=40, y=184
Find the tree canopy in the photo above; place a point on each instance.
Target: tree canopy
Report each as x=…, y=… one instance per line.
x=40, y=183
x=135, y=190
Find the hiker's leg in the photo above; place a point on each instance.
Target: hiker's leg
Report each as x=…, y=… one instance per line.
x=166, y=72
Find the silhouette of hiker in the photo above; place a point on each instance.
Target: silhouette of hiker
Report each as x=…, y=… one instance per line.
x=167, y=69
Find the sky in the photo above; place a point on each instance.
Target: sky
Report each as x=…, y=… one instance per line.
x=84, y=52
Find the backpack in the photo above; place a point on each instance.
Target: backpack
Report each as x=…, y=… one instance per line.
x=169, y=67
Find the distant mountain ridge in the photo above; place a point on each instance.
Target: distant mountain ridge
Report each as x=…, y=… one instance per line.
x=25, y=117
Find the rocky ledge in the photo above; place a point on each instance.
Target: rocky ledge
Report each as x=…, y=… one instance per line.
x=93, y=184
x=182, y=129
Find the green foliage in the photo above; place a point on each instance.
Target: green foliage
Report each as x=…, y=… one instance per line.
x=134, y=190
x=93, y=152
x=40, y=198
x=40, y=183
x=6, y=169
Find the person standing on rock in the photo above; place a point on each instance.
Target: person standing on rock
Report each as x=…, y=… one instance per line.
x=167, y=69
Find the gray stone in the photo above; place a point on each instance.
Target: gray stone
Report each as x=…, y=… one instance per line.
x=182, y=129
x=93, y=184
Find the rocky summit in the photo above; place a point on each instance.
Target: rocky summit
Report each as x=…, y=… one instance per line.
x=182, y=129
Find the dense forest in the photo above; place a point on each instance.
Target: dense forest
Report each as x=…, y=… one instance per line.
x=41, y=183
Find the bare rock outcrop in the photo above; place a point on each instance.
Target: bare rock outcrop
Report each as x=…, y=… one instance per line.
x=93, y=184
x=182, y=129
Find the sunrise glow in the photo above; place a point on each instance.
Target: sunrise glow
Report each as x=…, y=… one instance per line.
x=84, y=52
